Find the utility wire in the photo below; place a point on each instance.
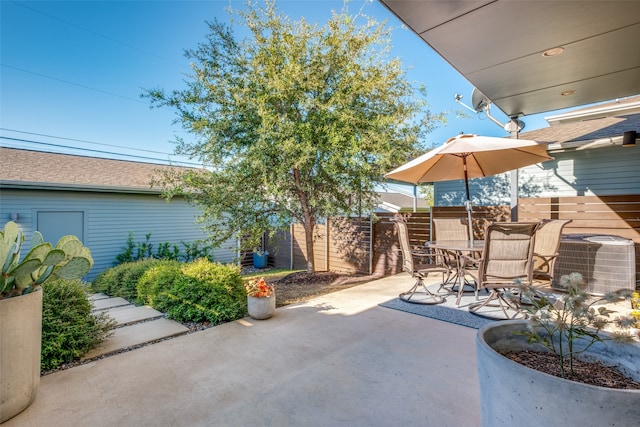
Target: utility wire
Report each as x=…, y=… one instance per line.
x=22, y=4
x=74, y=84
x=83, y=140
x=94, y=151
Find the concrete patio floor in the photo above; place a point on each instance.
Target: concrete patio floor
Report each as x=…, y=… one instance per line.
x=337, y=360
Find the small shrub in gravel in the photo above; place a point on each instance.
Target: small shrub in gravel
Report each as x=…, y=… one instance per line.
x=200, y=291
x=69, y=329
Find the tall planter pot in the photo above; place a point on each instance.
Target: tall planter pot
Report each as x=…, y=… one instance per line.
x=514, y=395
x=20, y=346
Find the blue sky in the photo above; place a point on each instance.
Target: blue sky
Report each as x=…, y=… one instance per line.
x=72, y=72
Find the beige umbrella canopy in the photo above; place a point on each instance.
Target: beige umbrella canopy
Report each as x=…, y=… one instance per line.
x=471, y=156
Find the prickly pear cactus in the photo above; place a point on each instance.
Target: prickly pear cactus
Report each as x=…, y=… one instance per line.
x=70, y=259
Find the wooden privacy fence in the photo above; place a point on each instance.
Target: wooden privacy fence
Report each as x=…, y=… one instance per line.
x=612, y=215
x=362, y=245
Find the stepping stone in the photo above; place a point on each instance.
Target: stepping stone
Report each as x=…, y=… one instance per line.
x=132, y=314
x=103, y=304
x=140, y=333
x=95, y=297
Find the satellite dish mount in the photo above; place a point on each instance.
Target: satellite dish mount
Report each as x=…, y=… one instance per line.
x=481, y=104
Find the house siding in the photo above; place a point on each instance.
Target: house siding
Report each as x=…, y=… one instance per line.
x=110, y=217
x=591, y=172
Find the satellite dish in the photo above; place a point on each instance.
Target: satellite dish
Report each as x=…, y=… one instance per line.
x=479, y=101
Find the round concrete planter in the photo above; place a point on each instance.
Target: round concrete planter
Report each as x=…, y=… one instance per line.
x=20, y=342
x=261, y=308
x=514, y=395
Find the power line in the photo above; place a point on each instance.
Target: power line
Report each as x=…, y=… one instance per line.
x=94, y=151
x=73, y=84
x=94, y=32
x=82, y=140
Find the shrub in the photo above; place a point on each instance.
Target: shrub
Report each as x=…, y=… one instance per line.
x=134, y=251
x=69, y=329
x=122, y=280
x=156, y=280
x=199, y=291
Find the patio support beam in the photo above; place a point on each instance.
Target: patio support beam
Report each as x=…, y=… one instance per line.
x=514, y=131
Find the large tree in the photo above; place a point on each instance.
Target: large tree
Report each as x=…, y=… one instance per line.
x=294, y=122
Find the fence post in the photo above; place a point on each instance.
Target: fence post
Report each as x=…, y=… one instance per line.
x=326, y=245
x=371, y=243
x=291, y=265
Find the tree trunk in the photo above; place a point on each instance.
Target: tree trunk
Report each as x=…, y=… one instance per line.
x=309, y=222
x=308, y=234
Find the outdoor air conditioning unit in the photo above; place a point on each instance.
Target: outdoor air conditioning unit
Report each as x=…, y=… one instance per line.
x=607, y=263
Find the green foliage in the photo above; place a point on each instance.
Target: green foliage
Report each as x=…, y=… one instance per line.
x=193, y=251
x=122, y=280
x=558, y=325
x=127, y=251
x=296, y=122
x=69, y=329
x=635, y=313
x=201, y=291
x=68, y=260
x=135, y=251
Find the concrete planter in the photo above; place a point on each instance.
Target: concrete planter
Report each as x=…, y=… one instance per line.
x=20, y=342
x=514, y=395
x=261, y=308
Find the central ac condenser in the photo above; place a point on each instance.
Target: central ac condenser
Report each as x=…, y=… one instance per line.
x=607, y=263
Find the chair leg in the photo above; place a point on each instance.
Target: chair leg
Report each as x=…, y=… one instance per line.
x=501, y=302
x=419, y=288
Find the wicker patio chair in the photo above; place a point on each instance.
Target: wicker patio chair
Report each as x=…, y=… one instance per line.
x=430, y=262
x=507, y=257
x=546, y=250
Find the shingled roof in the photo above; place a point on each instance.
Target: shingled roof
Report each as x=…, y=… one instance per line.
x=587, y=125
x=37, y=169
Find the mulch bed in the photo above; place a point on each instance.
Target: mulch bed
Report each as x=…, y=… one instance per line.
x=585, y=372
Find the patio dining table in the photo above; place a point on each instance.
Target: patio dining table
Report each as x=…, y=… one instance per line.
x=462, y=250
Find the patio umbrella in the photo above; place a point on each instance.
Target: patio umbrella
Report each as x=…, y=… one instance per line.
x=471, y=156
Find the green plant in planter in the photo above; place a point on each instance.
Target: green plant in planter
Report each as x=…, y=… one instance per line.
x=69, y=260
x=560, y=324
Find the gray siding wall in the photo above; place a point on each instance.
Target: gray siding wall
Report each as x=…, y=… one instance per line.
x=589, y=172
x=108, y=219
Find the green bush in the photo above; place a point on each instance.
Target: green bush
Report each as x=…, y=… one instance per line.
x=69, y=329
x=199, y=291
x=156, y=280
x=122, y=280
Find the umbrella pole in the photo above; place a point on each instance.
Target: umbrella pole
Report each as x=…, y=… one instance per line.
x=468, y=201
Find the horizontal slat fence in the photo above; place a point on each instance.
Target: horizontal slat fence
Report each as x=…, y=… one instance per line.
x=364, y=246
x=480, y=216
x=614, y=215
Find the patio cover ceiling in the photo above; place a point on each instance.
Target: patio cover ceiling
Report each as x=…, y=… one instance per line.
x=498, y=46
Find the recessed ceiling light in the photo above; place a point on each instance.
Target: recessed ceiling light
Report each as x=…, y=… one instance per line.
x=568, y=92
x=552, y=52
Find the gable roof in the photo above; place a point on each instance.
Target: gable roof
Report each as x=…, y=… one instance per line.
x=587, y=130
x=592, y=127
x=37, y=169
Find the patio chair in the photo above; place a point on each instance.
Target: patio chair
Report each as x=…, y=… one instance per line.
x=546, y=250
x=449, y=229
x=436, y=264
x=507, y=257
